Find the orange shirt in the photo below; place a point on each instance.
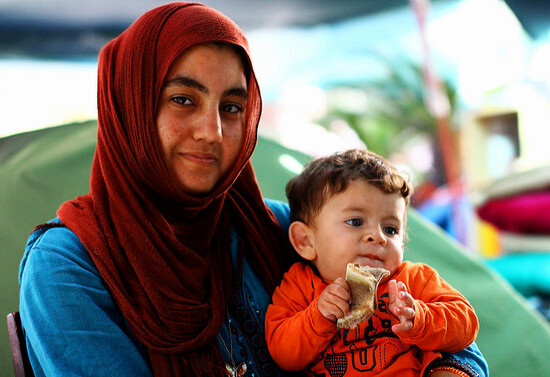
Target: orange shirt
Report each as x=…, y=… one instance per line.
x=300, y=337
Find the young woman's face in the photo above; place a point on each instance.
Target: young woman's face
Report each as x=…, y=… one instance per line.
x=362, y=224
x=201, y=116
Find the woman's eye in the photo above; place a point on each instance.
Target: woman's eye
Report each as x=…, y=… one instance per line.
x=354, y=222
x=391, y=230
x=181, y=100
x=232, y=108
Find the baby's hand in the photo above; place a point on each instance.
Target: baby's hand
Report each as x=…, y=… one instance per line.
x=401, y=305
x=334, y=301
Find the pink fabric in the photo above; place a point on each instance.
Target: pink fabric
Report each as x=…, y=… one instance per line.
x=525, y=213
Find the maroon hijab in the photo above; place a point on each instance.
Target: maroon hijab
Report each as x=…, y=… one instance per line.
x=164, y=254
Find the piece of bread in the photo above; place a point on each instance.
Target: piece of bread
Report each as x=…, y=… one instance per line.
x=363, y=283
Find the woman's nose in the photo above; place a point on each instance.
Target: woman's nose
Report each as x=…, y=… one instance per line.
x=208, y=126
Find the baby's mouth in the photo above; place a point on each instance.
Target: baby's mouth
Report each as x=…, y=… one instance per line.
x=369, y=260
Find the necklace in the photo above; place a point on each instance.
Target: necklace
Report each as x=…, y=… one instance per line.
x=232, y=370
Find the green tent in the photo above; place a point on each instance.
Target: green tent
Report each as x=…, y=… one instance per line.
x=41, y=169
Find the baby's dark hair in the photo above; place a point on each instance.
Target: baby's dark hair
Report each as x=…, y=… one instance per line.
x=326, y=176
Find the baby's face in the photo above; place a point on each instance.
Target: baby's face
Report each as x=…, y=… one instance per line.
x=362, y=224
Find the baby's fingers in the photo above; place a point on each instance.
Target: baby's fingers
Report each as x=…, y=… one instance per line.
x=403, y=326
x=333, y=309
x=334, y=300
x=405, y=313
x=406, y=299
x=392, y=289
x=340, y=289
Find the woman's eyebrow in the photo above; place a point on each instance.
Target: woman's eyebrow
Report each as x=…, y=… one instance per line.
x=192, y=83
x=237, y=91
x=186, y=81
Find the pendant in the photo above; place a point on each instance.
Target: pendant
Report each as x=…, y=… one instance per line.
x=239, y=371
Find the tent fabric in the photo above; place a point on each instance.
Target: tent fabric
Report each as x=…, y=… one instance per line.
x=41, y=169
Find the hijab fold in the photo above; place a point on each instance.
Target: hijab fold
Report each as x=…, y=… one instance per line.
x=164, y=254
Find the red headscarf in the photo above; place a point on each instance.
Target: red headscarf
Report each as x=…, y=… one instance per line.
x=164, y=254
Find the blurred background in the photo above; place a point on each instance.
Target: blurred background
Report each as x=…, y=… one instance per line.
x=455, y=92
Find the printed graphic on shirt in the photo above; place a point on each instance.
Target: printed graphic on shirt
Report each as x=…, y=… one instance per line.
x=369, y=347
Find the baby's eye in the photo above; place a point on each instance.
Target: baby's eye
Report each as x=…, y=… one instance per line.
x=181, y=100
x=391, y=230
x=354, y=222
x=232, y=108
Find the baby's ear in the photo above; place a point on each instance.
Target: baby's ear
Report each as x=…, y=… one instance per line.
x=300, y=237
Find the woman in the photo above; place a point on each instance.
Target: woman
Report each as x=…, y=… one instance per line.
x=166, y=267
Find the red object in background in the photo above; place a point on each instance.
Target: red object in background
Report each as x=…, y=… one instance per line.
x=525, y=213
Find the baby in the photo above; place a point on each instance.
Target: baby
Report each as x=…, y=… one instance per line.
x=351, y=207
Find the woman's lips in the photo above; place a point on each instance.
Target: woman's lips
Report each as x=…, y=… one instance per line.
x=201, y=158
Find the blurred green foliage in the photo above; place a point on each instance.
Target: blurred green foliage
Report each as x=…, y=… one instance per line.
x=389, y=113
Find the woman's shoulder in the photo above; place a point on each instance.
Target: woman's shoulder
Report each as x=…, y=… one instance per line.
x=62, y=292
x=54, y=245
x=54, y=230
x=280, y=210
